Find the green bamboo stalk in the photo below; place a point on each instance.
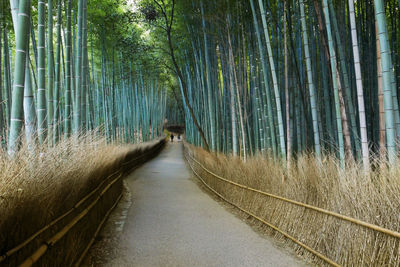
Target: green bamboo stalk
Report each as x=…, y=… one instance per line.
x=235, y=84
x=382, y=127
x=387, y=79
x=346, y=81
x=259, y=113
x=335, y=86
x=57, y=80
x=14, y=5
x=281, y=131
x=41, y=91
x=50, y=73
x=84, y=66
x=7, y=79
x=233, y=111
x=360, y=92
x=287, y=93
x=29, y=109
x=208, y=81
x=270, y=130
x=68, y=63
x=28, y=101
x=78, y=70
x=19, y=75
x=330, y=129
x=311, y=88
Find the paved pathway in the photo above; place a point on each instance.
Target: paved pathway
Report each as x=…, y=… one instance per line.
x=172, y=222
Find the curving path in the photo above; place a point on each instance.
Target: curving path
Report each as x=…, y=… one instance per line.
x=172, y=222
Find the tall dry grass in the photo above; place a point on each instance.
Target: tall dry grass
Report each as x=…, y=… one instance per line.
x=38, y=186
x=374, y=199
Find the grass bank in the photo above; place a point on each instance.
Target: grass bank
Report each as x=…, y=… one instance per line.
x=38, y=187
x=374, y=199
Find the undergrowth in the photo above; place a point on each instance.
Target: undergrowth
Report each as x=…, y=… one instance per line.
x=373, y=198
x=37, y=186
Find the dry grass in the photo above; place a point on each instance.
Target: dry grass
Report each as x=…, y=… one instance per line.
x=374, y=199
x=34, y=190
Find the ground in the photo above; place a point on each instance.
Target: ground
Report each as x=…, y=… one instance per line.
x=165, y=219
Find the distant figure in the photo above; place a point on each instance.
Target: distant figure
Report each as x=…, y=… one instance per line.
x=179, y=137
x=172, y=137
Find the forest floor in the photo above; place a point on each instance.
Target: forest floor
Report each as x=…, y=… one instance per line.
x=166, y=219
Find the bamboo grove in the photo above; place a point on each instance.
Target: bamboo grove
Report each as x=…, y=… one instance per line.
x=66, y=70
x=292, y=76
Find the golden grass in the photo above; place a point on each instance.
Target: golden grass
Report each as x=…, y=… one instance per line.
x=38, y=186
x=374, y=199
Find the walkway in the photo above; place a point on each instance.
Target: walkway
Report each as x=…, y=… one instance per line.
x=172, y=222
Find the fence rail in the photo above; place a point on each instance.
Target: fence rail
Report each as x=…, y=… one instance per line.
x=297, y=203
x=43, y=248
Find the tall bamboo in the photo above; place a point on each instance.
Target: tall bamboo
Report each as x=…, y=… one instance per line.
x=311, y=88
x=360, y=92
x=78, y=71
x=287, y=94
x=57, y=79
x=41, y=91
x=29, y=106
x=68, y=76
x=7, y=79
x=84, y=66
x=281, y=131
x=268, y=103
x=234, y=80
x=346, y=88
x=335, y=79
x=50, y=72
x=208, y=81
x=24, y=12
x=386, y=63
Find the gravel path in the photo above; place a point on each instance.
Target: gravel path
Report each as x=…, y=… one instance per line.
x=172, y=222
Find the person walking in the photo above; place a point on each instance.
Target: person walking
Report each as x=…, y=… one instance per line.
x=172, y=137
